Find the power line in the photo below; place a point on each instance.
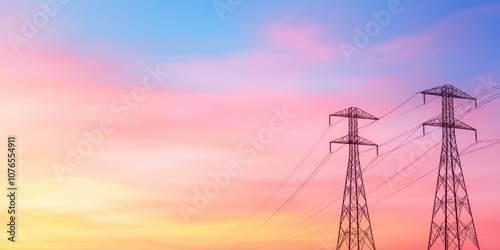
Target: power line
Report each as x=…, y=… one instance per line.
x=390, y=111
x=491, y=144
x=282, y=184
x=290, y=199
x=301, y=220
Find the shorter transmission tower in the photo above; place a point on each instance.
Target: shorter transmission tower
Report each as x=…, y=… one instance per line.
x=452, y=222
x=355, y=230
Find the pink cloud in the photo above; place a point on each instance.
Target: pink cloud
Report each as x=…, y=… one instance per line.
x=307, y=42
x=286, y=54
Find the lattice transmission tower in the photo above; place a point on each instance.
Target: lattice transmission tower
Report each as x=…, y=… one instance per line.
x=452, y=223
x=355, y=230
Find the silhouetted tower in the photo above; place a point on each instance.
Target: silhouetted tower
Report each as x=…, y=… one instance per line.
x=452, y=223
x=355, y=230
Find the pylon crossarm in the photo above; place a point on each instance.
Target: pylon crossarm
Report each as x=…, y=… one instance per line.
x=356, y=140
x=438, y=122
x=447, y=91
x=458, y=124
x=354, y=113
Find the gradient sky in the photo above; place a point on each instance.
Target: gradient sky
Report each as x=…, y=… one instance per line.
x=226, y=79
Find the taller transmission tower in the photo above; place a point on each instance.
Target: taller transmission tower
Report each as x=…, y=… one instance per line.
x=452, y=221
x=355, y=230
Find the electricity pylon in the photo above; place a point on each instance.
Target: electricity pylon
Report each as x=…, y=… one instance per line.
x=452, y=222
x=355, y=230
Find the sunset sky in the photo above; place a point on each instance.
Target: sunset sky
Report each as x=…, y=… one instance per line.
x=166, y=124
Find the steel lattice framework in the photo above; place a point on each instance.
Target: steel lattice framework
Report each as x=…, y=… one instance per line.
x=452, y=223
x=355, y=230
